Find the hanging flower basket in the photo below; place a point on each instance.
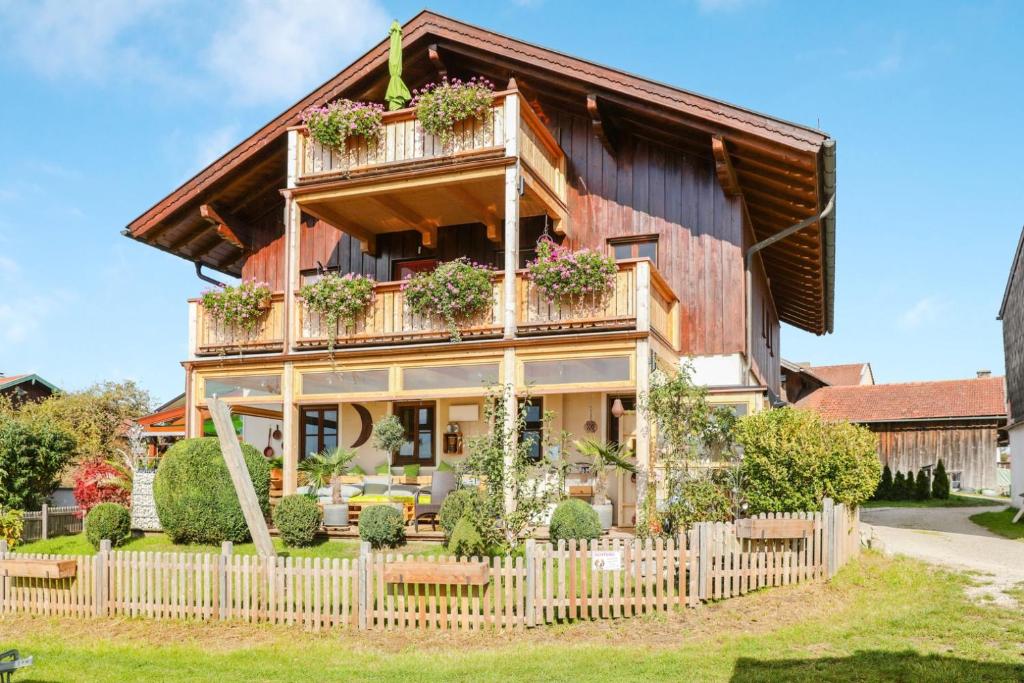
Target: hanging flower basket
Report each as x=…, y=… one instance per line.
x=340, y=120
x=338, y=298
x=571, y=277
x=454, y=292
x=440, y=106
x=239, y=307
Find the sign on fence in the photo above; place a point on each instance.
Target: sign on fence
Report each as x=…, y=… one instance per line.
x=606, y=560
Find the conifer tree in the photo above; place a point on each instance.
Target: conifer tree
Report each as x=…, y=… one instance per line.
x=923, y=487
x=884, y=490
x=940, y=482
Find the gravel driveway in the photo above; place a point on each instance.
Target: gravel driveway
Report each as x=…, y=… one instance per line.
x=947, y=537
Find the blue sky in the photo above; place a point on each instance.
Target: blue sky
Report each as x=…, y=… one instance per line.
x=110, y=104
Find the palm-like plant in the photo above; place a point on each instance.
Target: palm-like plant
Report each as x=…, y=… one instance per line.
x=324, y=468
x=605, y=456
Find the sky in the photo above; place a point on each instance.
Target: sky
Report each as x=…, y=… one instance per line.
x=109, y=105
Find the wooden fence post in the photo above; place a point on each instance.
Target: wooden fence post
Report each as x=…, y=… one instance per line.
x=363, y=580
x=3, y=579
x=828, y=508
x=227, y=548
x=531, y=582
x=101, y=578
x=703, y=559
x=46, y=521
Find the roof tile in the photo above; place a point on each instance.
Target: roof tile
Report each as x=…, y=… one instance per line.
x=910, y=401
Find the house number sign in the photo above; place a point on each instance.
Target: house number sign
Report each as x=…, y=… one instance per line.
x=606, y=560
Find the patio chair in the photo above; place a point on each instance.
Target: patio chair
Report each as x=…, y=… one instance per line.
x=10, y=662
x=441, y=484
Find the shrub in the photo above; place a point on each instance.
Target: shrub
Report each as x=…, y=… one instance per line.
x=98, y=481
x=940, y=482
x=108, y=521
x=338, y=298
x=453, y=292
x=884, y=490
x=923, y=487
x=698, y=500
x=342, y=119
x=899, y=486
x=793, y=459
x=239, y=306
x=388, y=436
x=297, y=519
x=560, y=274
x=12, y=523
x=33, y=453
x=455, y=506
x=382, y=526
x=574, y=518
x=195, y=499
x=466, y=540
x=439, y=106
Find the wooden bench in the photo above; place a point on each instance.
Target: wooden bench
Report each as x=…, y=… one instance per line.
x=38, y=569
x=437, y=573
x=761, y=529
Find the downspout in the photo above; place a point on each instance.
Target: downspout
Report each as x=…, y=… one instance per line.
x=206, y=278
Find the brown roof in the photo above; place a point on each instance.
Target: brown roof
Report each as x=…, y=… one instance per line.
x=958, y=398
x=841, y=375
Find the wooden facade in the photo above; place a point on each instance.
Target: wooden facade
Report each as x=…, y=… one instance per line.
x=1011, y=313
x=966, y=448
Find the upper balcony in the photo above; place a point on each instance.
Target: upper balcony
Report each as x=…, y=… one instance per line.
x=407, y=179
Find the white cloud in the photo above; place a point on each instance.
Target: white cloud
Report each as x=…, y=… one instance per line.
x=275, y=49
x=924, y=311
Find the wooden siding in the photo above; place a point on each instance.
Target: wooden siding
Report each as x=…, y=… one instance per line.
x=1013, y=339
x=964, y=447
x=266, y=261
x=764, y=334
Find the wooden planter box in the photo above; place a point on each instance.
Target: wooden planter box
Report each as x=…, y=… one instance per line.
x=773, y=528
x=438, y=573
x=39, y=569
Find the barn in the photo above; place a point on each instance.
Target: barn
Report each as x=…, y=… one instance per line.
x=918, y=423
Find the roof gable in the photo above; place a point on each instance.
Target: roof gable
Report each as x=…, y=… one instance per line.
x=8, y=382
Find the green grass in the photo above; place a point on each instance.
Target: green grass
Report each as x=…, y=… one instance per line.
x=954, y=501
x=880, y=619
x=339, y=548
x=1001, y=523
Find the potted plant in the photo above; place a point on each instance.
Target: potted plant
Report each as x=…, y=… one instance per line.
x=276, y=472
x=241, y=306
x=439, y=106
x=342, y=119
x=605, y=457
x=566, y=276
x=453, y=292
x=324, y=469
x=389, y=436
x=338, y=298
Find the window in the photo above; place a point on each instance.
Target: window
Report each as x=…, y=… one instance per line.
x=418, y=420
x=635, y=247
x=449, y=376
x=400, y=270
x=348, y=382
x=577, y=370
x=533, y=433
x=242, y=386
x=319, y=429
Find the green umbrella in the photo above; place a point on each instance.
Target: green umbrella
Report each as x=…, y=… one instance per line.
x=398, y=95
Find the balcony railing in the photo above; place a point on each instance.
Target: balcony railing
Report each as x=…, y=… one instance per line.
x=213, y=337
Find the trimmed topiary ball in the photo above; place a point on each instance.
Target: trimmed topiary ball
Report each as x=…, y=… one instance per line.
x=466, y=540
x=297, y=519
x=382, y=526
x=108, y=521
x=453, y=509
x=195, y=499
x=574, y=518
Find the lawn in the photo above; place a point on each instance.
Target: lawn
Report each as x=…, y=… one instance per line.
x=1001, y=523
x=159, y=543
x=954, y=501
x=880, y=619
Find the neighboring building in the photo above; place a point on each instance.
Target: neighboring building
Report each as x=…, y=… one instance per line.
x=919, y=423
x=164, y=426
x=1011, y=313
x=23, y=388
x=848, y=374
x=800, y=380
x=721, y=220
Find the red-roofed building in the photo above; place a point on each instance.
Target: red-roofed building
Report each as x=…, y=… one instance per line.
x=22, y=388
x=918, y=423
x=848, y=374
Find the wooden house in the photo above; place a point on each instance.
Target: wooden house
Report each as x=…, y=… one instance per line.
x=721, y=220
x=28, y=387
x=800, y=380
x=919, y=423
x=1011, y=313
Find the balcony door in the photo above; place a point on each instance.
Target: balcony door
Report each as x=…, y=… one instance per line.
x=319, y=429
x=401, y=270
x=420, y=434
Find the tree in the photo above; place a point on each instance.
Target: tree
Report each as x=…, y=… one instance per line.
x=100, y=481
x=884, y=490
x=940, y=482
x=923, y=487
x=899, y=486
x=32, y=456
x=605, y=457
x=323, y=469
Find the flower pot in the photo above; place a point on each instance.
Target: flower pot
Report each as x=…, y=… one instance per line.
x=605, y=513
x=336, y=515
x=276, y=475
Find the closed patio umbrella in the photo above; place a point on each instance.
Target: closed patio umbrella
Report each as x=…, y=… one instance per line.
x=398, y=94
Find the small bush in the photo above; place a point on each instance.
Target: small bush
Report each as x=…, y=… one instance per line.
x=454, y=508
x=108, y=521
x=195, y=499
x=940, y=482
x=466, y=540
x=923, y=487
x=574, y=519
x=884, y=490
x=12, y=524
x=699, y=500
x=297, y=519
x=899, y=486
x=382, y=526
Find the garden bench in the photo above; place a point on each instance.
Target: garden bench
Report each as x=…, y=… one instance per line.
x=10, y=662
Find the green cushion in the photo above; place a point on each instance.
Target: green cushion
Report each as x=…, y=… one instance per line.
x=356, y=470
x=383, y=469
x=383, y=498
x=412, y=470
x=445, y=467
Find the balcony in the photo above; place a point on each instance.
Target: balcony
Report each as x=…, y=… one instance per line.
x=210, y=337
x=389, y=320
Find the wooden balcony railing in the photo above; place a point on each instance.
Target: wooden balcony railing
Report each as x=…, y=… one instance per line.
x=212, y=337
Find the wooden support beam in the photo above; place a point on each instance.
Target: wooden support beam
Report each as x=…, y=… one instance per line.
x=224, y=231
x=367, y=240
x=187, y=237
x=434, y=54
x=488, y=214
x=426, y=228
x=723, y=167
x=603, y=128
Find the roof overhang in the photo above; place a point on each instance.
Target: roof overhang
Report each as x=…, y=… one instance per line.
x=7, y=383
